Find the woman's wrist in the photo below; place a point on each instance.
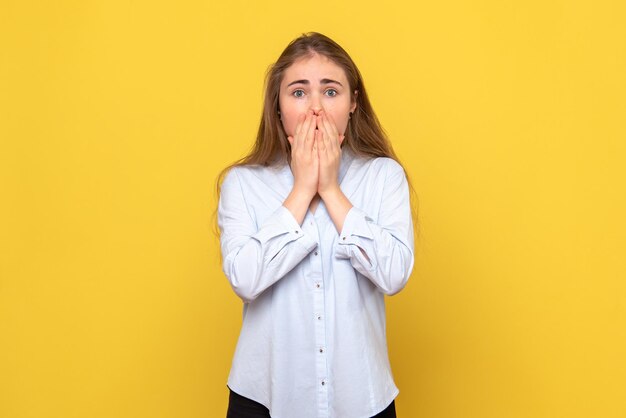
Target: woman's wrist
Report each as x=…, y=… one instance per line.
x=297, y=202
x=337, y=205
x=330, y=193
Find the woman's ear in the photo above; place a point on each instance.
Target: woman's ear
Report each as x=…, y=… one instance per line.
x=353, y=107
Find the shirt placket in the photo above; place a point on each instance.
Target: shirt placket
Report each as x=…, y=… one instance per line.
x=319, y=319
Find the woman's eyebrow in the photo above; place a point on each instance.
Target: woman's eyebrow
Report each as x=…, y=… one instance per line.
x=322, y=81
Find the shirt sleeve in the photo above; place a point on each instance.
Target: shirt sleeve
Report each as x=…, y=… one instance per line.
x=382, y=251
x=255, y=257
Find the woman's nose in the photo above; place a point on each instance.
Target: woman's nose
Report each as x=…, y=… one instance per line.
x=316, y=105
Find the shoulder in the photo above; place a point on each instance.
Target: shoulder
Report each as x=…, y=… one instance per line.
x=249, y=174
x=383, y=165
x=246, y=170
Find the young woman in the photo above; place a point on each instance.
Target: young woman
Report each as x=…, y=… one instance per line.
x=316, y=229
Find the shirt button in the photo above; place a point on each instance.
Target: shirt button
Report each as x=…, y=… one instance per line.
x=315, y=253
x=344, y=238
x=323, y=382
x=297, y=232
x=317, y=285
x=319, y=317
x=321, y=349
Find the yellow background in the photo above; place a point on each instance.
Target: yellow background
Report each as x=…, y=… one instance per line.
x=116, y=116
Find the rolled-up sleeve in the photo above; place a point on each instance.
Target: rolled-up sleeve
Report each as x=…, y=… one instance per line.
x=255, y=257
x=382, y=251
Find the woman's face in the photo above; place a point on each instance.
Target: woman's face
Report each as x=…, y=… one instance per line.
x=312, y=84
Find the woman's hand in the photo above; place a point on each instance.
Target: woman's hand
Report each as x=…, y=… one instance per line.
x=329, y=151
x=304, y=166
x=304, y=156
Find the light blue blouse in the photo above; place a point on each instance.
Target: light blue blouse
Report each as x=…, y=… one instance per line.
x=313, y=342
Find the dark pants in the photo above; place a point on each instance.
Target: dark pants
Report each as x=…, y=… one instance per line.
x=241, y=407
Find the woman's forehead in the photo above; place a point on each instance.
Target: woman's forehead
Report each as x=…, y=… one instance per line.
x=314, y=68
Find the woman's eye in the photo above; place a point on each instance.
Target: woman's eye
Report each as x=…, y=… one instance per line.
x=295, y=93
x=333, y=91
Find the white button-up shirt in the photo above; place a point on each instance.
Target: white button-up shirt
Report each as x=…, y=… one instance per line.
x=312, y=342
